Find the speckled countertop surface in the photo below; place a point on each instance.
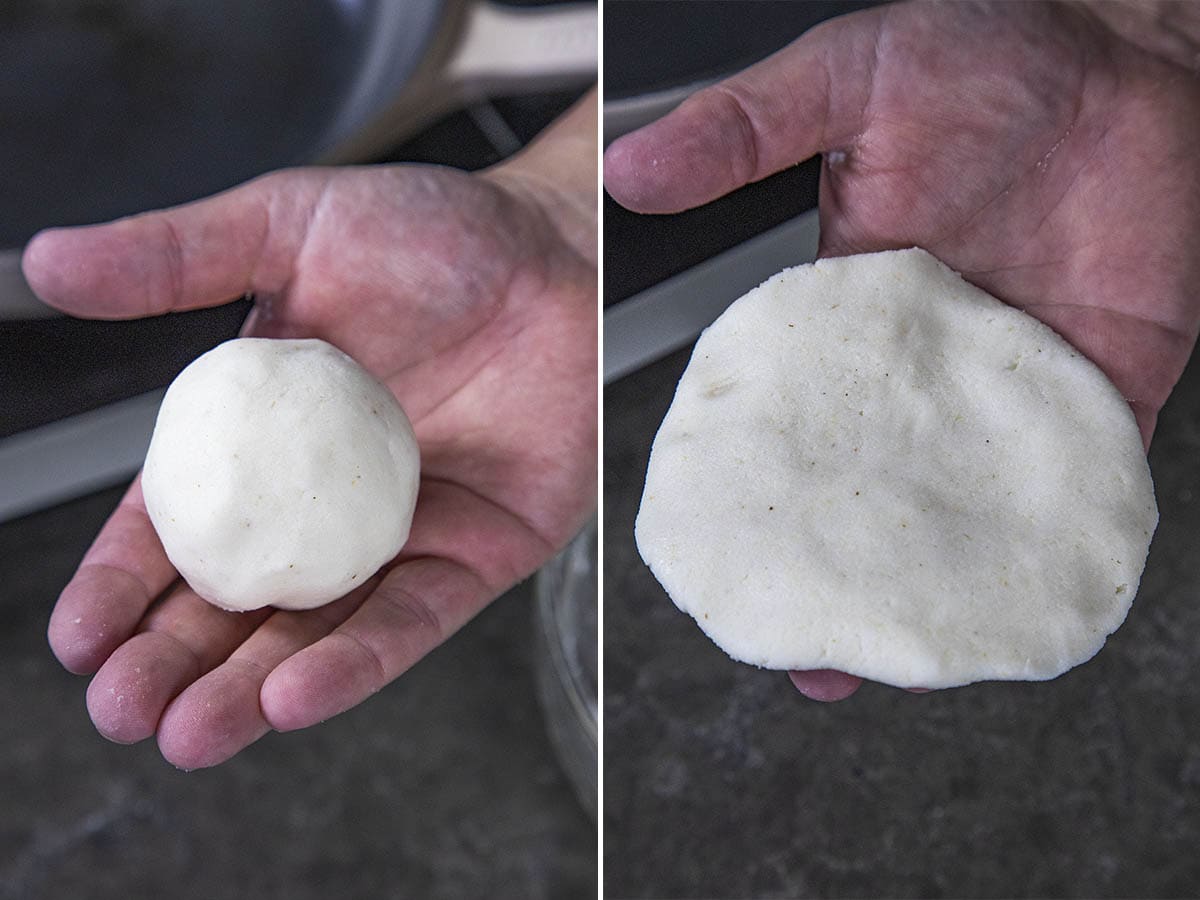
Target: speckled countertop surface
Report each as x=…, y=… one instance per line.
x=722, y=781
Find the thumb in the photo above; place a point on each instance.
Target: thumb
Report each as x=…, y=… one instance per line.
x=199, y=254
x=803, y=100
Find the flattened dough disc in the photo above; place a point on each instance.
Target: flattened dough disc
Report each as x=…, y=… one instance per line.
x=873, y=466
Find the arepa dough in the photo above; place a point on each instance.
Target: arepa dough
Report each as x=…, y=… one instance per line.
x=280, y=473
x=873, y=466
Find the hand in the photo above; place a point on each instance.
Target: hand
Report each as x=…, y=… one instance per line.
x=473, y=297
x=1029, y=146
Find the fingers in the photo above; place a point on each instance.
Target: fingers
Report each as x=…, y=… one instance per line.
x=302, y=668
x=180, y=640
x=190, y=256
x=829, y=686
x=219, y=714
x=825, y=685
x=416, y=606
x=120, y=576
x=805, y=99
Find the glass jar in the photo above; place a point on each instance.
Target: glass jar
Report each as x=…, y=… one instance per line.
x=566, y=651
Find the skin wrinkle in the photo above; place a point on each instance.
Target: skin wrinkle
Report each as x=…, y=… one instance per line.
x=486, y=291
x=163, y=596
x=1053, y=148
x=827, y=94
x=383, y=674
x=501, y=296
x=1054, y=206
x=190, y=654
x=179, y=615
x=747, y=156
x=266, y=240
x=294, y=629
x=314, y=213
x=466, y=380
x=1173, y=330
x=256, y=284
x=1074, y=123
x=518, y=328
x=363, y=651
x=547, y=546
x=956, y=232
x=174, y=257
x=865, y=113
x=279, y=311
x=532, y=187
x=408, y=605
x=1041, y=264
x=256, y=668
x=1170, y=29
x=540, y=266
x=109, y=567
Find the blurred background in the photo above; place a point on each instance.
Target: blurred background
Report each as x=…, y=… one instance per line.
x=720, y=779
x=469, y=776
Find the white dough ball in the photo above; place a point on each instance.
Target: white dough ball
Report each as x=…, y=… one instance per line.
x=280, y=473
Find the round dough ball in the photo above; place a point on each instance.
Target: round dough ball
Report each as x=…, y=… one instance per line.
x=873, y=466
x=280, y=473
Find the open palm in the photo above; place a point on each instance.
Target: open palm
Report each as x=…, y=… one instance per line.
x=1028, y=146
x=474, y=302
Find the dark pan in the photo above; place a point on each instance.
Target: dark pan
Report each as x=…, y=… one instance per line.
x=109, y=107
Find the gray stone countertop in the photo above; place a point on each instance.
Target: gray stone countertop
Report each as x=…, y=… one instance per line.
x=722, y=781
x=443, y=785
